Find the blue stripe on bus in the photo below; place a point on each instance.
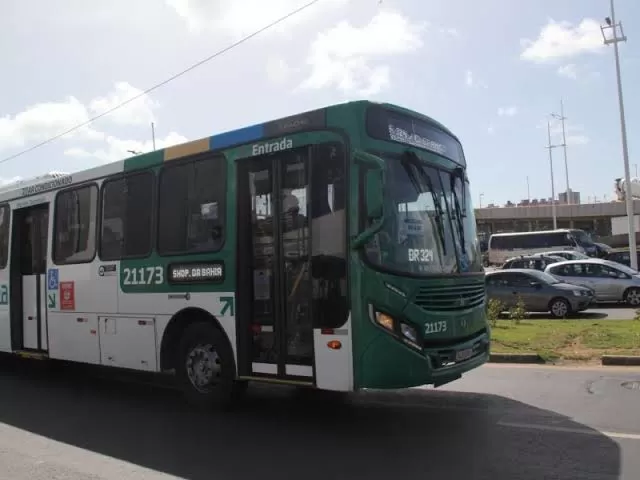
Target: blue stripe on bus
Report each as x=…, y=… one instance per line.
x=235, y=137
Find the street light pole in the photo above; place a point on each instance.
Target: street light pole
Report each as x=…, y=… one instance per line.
x=153, y=135
x=562, y=118
x=553, y=188
x=611, y=24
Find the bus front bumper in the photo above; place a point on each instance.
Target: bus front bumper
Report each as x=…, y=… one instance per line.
x=449, y=364
x=388, y=364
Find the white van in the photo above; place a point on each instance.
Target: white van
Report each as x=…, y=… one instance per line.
x=506, y=245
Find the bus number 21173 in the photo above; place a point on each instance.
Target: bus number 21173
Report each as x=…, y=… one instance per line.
x=143, y=276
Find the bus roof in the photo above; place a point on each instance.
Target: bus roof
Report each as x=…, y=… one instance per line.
x=311, y=119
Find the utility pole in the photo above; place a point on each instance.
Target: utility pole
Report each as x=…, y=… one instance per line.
x=613, y=26
x=562, y=118
x=528, y=191
x=153, y=135
x=553, y=188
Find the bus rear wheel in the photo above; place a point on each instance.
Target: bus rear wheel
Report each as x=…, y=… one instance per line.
x=206, y=368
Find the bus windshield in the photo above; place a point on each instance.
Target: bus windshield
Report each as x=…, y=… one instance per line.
x=432, y=227
x=582, y=238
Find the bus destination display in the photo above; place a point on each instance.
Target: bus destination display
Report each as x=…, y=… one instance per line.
x=397, y=127
x=196, y=272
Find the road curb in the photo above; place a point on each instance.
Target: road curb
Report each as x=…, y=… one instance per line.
x=620, y=360
x=515, y=358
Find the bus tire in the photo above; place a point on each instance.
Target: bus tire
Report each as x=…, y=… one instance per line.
x=205, y=367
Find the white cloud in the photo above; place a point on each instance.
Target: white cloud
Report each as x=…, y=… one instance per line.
x=577, y=139
x=569, y=71
x=468, y=78
x=278, y=70
x=450, y=31
x=344, y=56
x=242, y=17
x=138, y=112
x=42, y=121
x=507, y=111
x=491, y=129
x=574, y=132
x=471, y=80
x=562, y=40
x=116, y=148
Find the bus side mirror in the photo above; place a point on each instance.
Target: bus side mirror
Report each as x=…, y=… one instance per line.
x=374, y=180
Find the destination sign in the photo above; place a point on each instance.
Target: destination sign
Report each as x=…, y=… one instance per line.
x=196, y=272
x=385, y=124
x=46, y=186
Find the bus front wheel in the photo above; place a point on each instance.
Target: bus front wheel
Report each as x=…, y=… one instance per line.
x=206, y=368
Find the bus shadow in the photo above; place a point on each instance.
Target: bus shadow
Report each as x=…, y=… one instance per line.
x=286, y=433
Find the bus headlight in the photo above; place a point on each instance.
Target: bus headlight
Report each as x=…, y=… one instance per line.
x=385, y=321
x=409, y=333
x=400, y=330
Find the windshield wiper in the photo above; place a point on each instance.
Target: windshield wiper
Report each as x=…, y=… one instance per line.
x=412, y=164
x=458, y=174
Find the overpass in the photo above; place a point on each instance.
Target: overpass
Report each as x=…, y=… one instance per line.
x=590, y=217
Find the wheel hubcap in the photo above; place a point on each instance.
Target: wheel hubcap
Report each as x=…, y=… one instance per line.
x=203, y=367
x=559, y=309
x=633, y=297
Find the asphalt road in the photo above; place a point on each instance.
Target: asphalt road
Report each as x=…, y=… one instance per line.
x=499, y=423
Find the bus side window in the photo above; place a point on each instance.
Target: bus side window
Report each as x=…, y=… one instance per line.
x=127, y=217
x=328, y=231
x=191, y=206
x=4, y=235
x=76, y=212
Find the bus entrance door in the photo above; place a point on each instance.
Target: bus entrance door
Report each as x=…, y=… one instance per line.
x=275, y=333
x=28, y=278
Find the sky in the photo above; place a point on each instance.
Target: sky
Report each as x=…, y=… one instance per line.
x=492, y=71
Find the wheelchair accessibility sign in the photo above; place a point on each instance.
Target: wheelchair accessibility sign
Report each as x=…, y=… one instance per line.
x=53, y=279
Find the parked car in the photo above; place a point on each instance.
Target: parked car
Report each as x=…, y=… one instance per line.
x=535, y=262
x=611, y=281
x=565, y=254
x=621, y=255
x=540, y=291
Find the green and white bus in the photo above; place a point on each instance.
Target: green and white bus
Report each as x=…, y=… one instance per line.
x=333, y=249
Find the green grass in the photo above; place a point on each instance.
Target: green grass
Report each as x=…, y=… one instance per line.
x=575, y=339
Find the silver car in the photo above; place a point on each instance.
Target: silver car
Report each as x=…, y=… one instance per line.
x=610, y=281
x=540, y=291
x=566, y=254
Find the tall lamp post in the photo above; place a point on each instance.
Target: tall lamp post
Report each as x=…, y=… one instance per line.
x=562, y=118
x=553, y=187
x=614, y=39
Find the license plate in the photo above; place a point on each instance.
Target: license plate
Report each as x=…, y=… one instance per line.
x=463, y=354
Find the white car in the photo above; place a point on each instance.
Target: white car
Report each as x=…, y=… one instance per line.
x=566, y=254
x=610, y=281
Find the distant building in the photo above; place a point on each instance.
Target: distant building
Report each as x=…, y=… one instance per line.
x=531, y=203
x=572, y=197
